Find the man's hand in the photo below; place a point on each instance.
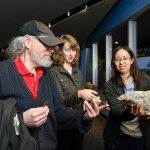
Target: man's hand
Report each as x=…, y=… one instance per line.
x=35, y=117
x=92, y=110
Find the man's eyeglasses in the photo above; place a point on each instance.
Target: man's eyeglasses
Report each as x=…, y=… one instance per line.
x=124, y=59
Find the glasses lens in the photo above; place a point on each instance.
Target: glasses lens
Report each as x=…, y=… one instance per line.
x=124, y=59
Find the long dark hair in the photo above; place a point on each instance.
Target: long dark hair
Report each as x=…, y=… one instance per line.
x=134, y=70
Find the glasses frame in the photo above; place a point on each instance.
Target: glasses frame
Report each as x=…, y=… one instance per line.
x=124, y=59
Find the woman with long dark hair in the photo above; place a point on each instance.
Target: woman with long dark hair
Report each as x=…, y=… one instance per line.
x=126, y=127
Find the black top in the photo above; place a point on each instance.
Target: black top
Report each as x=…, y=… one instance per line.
x=119, y=114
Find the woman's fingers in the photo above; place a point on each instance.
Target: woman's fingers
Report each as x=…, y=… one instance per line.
x=136, y=109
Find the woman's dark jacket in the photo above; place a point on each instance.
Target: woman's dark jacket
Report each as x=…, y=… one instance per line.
x=119, y=114
x=12, y=85
x=68, y=85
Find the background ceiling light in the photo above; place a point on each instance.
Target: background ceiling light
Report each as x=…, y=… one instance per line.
x=49, y=25
x=68, y=13
x=85, y=8
x=82, y=8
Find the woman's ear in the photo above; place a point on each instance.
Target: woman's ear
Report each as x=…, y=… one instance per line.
x=60, y=53
x=132, y=60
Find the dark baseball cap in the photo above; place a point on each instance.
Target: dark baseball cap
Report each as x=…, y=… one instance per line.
x=41, y=31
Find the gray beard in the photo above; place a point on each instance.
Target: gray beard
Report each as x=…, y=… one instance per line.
x=44, y=63
x=40, y=61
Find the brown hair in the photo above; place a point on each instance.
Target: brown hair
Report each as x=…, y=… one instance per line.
x=57, y=57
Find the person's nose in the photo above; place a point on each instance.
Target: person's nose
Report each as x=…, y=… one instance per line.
x=121, y=61
x=71, y=52
x=50, y=49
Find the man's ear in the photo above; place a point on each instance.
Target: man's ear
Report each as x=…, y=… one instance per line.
x=26, y=41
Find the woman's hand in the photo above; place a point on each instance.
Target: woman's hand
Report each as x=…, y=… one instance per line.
x=136, y=109
x=87, y=94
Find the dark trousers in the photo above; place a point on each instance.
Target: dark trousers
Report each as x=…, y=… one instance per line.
x=126, y=142
x=70, y=140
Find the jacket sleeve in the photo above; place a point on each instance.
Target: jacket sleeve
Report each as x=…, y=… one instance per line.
x=145, y=83
x=117, y=110
x=146, y=87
